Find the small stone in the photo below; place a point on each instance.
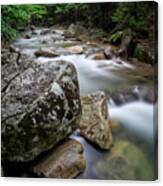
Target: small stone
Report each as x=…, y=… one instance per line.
x=98, y=56
x=32, y=27
x=45, y=52
x=27, y=36
x=45, y=31
x=75, y=49
x=64, y=161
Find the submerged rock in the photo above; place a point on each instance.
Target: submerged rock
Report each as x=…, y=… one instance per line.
x=125, y=162
x=64, y=161
x=40, y=106
x=45, y=52
x=95, y=122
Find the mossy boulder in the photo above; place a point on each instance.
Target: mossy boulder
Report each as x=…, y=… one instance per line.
x=40, y=106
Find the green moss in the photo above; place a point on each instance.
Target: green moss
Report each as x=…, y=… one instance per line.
x=125, y=161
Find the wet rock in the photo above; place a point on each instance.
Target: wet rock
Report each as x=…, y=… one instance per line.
x=98, y=56
x=34, y=32
x=125, y=162
x=64, y=161
x=40, y=106
x=45, y=52
x=45, y=31
x=125, y=96
x=95, y=122
x=75, y=49
x=33, y=27
x=109, y=52
x=12, y=48
x=27, y=36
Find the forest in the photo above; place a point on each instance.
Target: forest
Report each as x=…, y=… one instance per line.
x=79, y=90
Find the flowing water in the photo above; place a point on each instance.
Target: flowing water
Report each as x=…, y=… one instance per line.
x=135, y=116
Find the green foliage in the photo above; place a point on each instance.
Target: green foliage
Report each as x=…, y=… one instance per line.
x=107, y=16
x=17, y=17
x=136, y=13
x=117, y=36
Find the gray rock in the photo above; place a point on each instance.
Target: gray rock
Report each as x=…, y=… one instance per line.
x=27, y=36
x=74, y=30
x=70, y=32
x=64, y=161
x=45, y=31
x=95, y=122
x=40, y=106
x=33, y=27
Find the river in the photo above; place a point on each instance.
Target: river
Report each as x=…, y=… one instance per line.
x=134, y=114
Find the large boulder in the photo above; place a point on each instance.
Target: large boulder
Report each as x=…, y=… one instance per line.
x=95, y=121
x=64, y=161
x=40, y=106
x=125, y=162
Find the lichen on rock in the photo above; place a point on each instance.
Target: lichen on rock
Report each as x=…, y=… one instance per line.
x=39, y=108
x=95, y=121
